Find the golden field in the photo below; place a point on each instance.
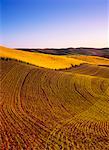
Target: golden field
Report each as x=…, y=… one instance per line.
x=50, y=61
x=46, y=109
x=41, y=60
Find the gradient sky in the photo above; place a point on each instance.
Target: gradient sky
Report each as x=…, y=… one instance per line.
x=54, y=23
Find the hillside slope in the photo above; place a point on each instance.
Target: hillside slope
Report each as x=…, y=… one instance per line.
x=103, y=52
x=45, y=109
x=39, y=59
x=51, y=61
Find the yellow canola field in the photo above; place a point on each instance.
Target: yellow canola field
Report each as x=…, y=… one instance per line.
x=50, y=61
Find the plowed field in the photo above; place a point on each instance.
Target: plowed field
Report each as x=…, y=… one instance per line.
x=46, y=109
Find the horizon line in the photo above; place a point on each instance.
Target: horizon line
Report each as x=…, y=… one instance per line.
x=54, y=47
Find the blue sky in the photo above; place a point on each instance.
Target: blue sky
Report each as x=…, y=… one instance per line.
x=54, y=23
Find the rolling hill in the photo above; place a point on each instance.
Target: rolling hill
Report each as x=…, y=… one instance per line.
x=51, y=61
x=103, y=52
x=51, y=104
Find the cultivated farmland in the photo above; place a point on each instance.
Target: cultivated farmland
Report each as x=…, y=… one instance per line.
x=54, y=108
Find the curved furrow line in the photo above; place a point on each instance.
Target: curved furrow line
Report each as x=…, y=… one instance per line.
x=85, y=134
x=10, y=127
x=45, y=109
x=7, y=66
x=57, y=99
x=5, y=75
x=56, y=136
x=19, y=114
x=12, y=134
x=22, y=118
x=72, y=97
x=67, y=84
x=32, y=126
x=103, y=72
x=92, y=70
x=39, y=98
x=8, y=82
x=3, y=137
x=53, y=135
x=80, y=84
x=96, y=86
x=8, y=108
